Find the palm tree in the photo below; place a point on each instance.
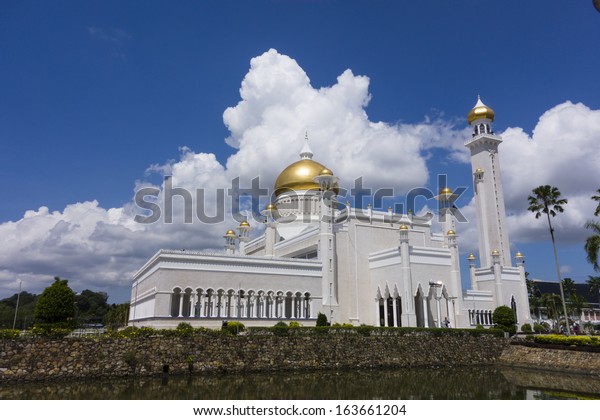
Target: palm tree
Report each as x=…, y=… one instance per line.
x=597, y=198
x=594, y=284
x=546, y=199
x=568, y=286
x=592, y=244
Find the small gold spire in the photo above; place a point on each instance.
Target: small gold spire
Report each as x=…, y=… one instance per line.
x=403, y=227
x=471, y=257
x=451, y=232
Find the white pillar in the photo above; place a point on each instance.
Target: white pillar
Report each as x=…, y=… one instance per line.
x=439, y=312
x=193, y=305
x=395, y=309
x=181, y=304
x=293, y=307
x=425, y=313
x=385, y=312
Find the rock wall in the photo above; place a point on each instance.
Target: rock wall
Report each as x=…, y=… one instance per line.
x=551, y=359
x=46, y=359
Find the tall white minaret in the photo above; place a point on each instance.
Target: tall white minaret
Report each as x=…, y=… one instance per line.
x=489, y=198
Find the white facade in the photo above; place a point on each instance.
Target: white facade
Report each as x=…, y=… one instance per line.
x=356, y=266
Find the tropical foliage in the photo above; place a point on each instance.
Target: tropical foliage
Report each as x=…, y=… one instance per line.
x=546, y=200
x=56, y=303
x=592, y=244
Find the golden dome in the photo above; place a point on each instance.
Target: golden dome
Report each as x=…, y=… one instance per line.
x=403, y=227
x=480, y=110
x=451, y=232
x=271, y=207
x=471, y=257
x=325, y=172
x=519, y=255
x=245, y=224
x=300, y=175
x=495, y=252
x=446, y=190
x=230, y=233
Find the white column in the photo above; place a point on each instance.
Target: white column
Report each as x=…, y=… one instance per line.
x=395, y=309
x=181, y=304
x=439, y=312
x=193, y=305
x=293, y=307
x=377, y=313
x=425, y=313
x=385, y=312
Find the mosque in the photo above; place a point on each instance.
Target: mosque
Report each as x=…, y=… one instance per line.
x=356, y=266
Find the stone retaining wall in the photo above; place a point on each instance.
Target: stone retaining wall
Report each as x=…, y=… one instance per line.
x=551, y=359
x=46, y=359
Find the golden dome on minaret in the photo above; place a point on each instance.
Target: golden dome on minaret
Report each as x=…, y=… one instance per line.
x=480, y=110
x=301, y=175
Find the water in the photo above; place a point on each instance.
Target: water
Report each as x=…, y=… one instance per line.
x=482, y=383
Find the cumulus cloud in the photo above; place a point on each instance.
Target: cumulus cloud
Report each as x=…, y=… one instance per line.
x=100, y=248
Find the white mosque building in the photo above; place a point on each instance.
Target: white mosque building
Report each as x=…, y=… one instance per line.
x=356, y=266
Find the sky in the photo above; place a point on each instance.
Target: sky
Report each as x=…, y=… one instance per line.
x=101, y=99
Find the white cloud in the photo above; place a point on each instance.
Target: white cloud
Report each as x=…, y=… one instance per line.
x=101, y=248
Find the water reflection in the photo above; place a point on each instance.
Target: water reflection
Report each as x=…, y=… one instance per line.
x=446, y=383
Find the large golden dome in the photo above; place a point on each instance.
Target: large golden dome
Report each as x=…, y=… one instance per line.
x=299, y=175
x=480, y=110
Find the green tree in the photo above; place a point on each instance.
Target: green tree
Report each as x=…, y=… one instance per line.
x=568, y=286
x=551, y=302
x=117, y=315
x=504, y=318
x=546, y=199
x=576, y=304
x=597, y=199
x=592, y=244
x=56, y=303
x=594, y=285
x=321, y=320
x=91, y=307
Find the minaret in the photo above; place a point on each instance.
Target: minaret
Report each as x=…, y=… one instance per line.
x=327, y=245
x=489, y=198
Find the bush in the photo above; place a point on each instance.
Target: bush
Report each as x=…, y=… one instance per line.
x=539, y=328
x=58, y=330
x=294, y=324
x=184, y=328
x=233, y=327
x=574, y=340
x=322, y=320
x=504, y=318
x=9, y=334
x=56, y=303
x=479, y=327
x=526, y=328
x=281, y=324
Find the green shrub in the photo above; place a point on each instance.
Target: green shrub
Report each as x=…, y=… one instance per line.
x=281, y=324
x=184, y=328
x=526, y=328
x=53, y=330
x=479, y=327
x=539, y=328
x=574, y=340
x=9, y=334
x=322, y=320
x=233, y=327
x=294, y=324
x=504, y=318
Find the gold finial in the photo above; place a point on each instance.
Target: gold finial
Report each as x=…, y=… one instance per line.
x=403, y=227
x=451, y=232
x=471, y=257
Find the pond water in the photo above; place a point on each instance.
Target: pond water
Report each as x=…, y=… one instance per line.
x=481, y=383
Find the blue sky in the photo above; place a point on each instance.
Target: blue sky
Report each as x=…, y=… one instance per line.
x=95, y=93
